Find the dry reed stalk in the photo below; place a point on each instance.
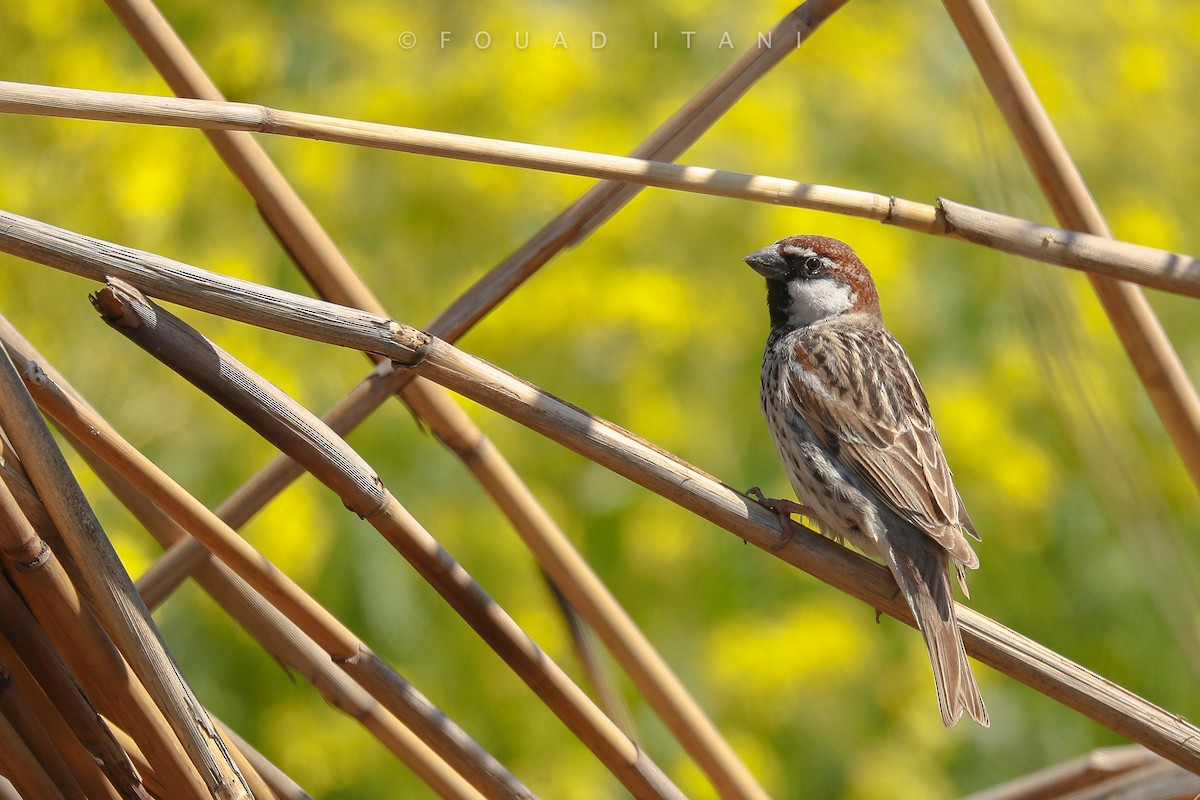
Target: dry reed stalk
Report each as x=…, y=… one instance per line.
x=283, y=787
x=666, y=143
x=289, y=645
x=20, y=633
x=76, y=757
x=186, y=555
x=25, y=555
x=340, y=644
x=640, y=461
x=1128, y=310
x=310, y=246
x=18, y=698
x=1069, y=248
x=1020, y=221
x=597, y=672
x=586, y=593
x=7, y=791
x=286, y=642
x=30, y=565
x=258, y=787
x=301, y=435
x=143, y=764
x=329, y=272
x=1161, y=781
x=1094, y=769
x=69, y=621
x=20, y=765
x=1157, y=269
x=626, y=454
x=125, y=702
x=287, y=215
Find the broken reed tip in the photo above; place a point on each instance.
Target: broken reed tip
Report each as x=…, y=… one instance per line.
x=116, y=303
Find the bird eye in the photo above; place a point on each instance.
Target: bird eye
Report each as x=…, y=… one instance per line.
x=812, y=267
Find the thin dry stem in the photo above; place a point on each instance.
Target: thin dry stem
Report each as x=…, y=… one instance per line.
x=186, y=554
x=300, y=434
x=1125, y=304
x=20, y=765
x=258, y=786
x=20, y=632
x=44, y=702
x=1068, y=248
x=1094, y=769
x=30, y=563
x=17, y=705
x=101, y=671
x=283, y=787
x=1172, y=272
x=1161, y=781
x=329, y=272
x=642, y=462
x=145, y=765
x=610, y=446
x=624, y=453
x=1133, y=319
x=110, y=594
x=666, y=143
x=340, y=644
x=289, y=645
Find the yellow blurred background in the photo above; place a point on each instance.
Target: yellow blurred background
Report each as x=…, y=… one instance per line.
x=1089, y=525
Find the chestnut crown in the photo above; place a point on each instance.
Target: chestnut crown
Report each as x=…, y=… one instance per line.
x=813, y=278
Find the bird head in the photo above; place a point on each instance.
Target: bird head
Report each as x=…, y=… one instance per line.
x=813, y=278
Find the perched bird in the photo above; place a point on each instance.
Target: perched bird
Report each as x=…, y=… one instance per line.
x=852, y=428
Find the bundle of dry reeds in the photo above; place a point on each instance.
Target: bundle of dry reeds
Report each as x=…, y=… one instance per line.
x=92, y=705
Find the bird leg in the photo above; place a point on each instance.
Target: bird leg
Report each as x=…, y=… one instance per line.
x=784, y=509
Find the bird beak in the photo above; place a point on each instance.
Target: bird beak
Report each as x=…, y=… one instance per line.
x=768, y=263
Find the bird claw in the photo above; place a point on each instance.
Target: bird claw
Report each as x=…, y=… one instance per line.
x=784, y=509
x=757, y=494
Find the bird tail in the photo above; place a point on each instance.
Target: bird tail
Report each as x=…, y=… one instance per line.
x=925, y=583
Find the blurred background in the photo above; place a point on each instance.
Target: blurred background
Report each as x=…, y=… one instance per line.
x=1090, y=534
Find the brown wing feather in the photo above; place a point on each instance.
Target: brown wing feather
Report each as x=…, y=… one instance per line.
x=863, y=399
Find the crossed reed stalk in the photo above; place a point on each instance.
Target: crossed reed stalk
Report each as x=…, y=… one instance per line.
x=78, y=617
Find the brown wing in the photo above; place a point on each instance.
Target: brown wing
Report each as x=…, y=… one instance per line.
x=859, y=393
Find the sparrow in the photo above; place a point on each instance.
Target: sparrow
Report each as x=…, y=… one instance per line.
x=852, y=428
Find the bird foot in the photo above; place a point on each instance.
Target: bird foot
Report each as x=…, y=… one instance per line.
x=784, y=509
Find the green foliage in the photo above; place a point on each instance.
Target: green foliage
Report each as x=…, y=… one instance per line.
x=654, y=323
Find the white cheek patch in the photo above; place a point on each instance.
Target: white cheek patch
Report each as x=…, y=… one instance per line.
x=818, y=299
